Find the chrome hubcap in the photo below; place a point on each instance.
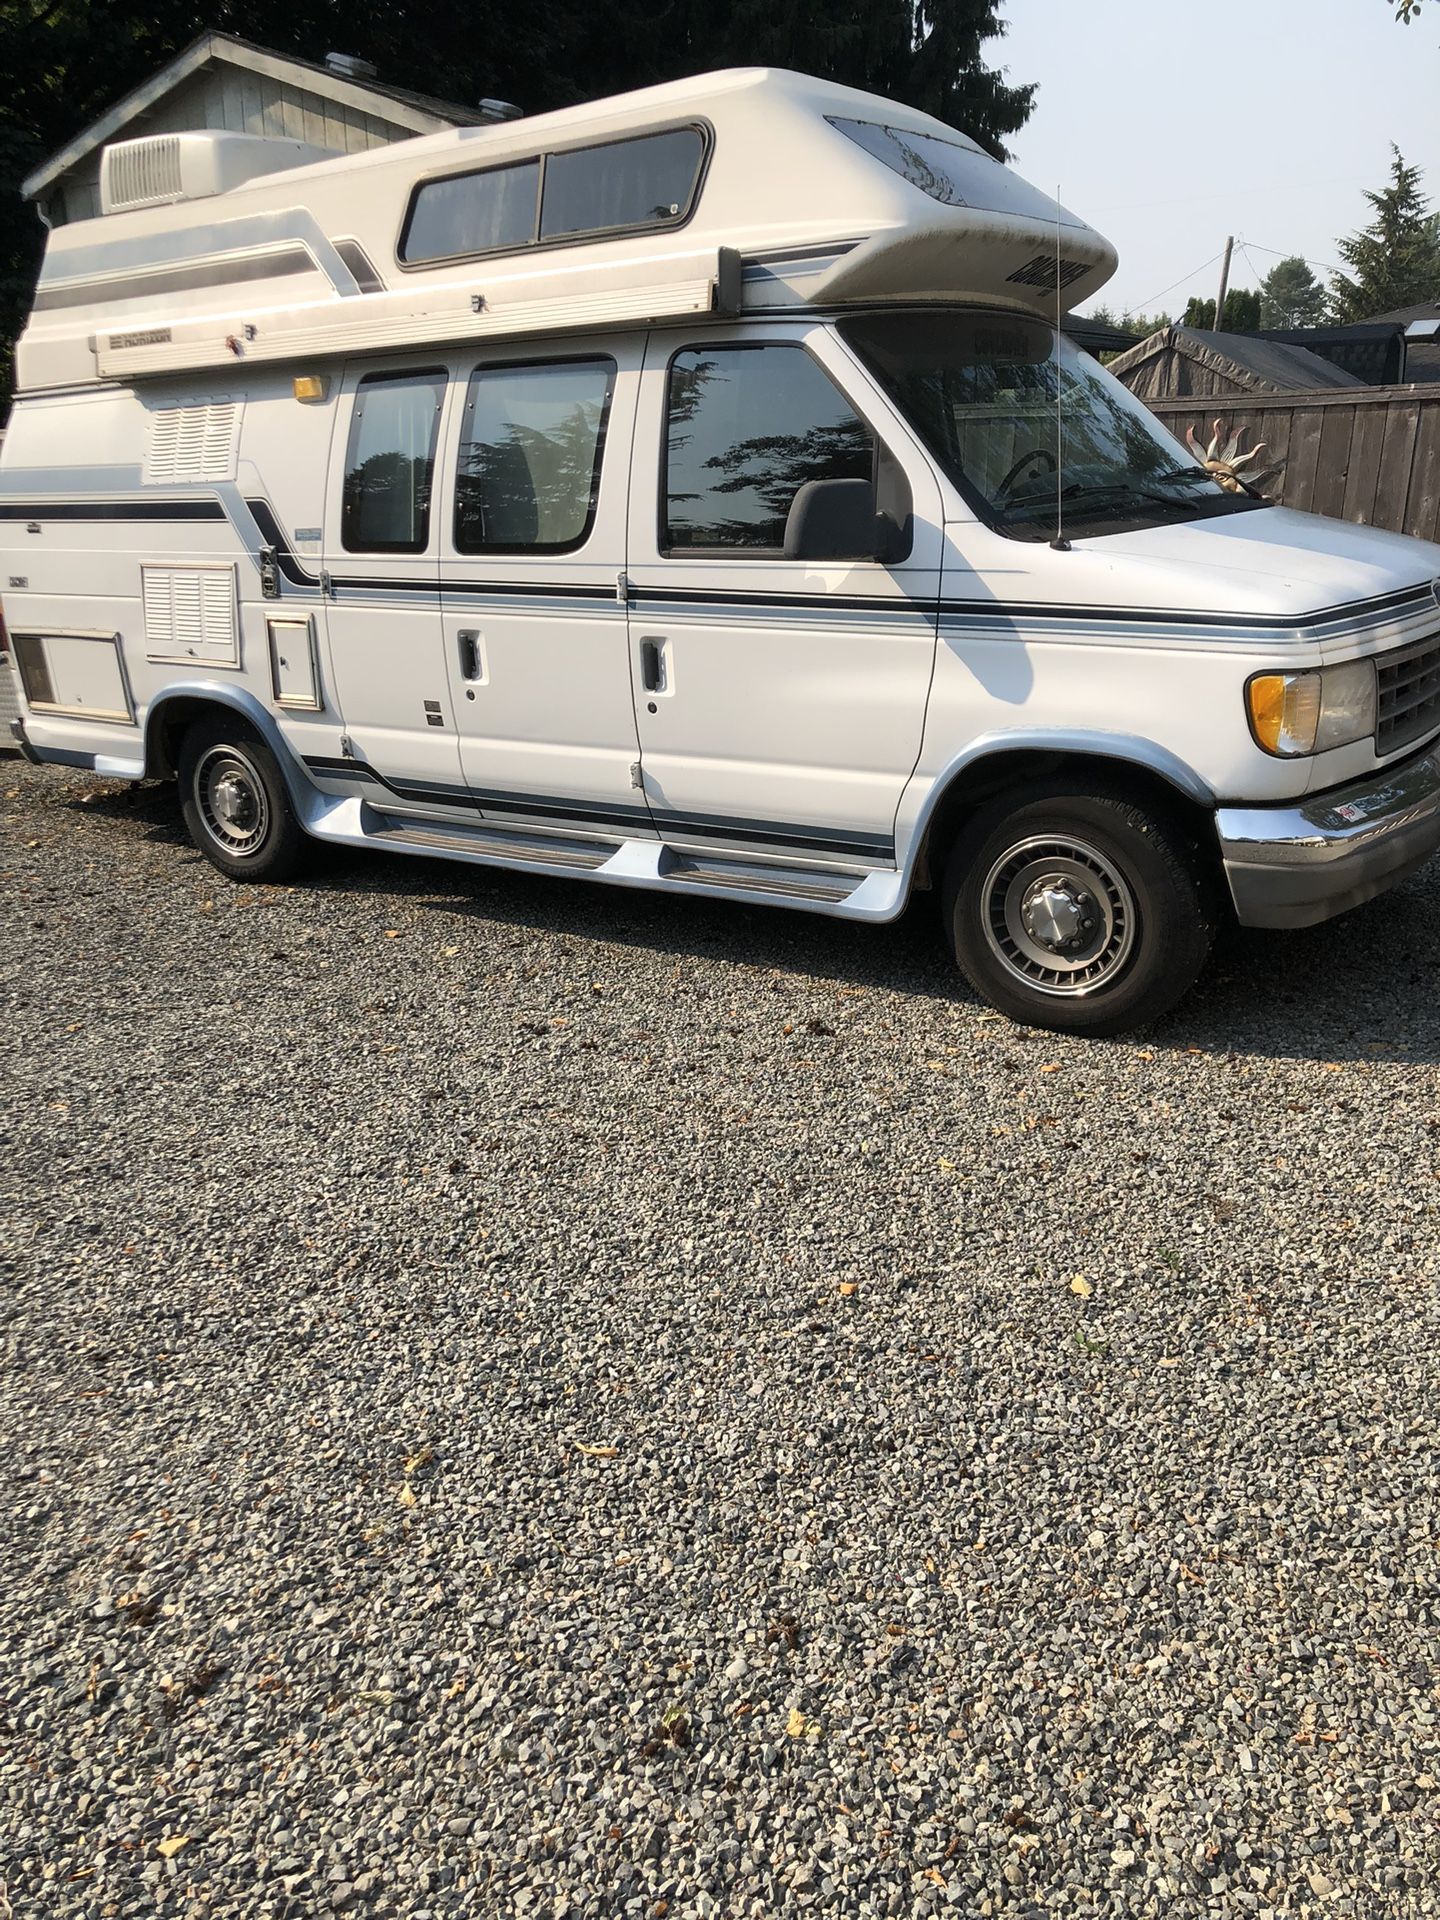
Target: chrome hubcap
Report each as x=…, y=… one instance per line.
x=232, y=799
x=1059, y=916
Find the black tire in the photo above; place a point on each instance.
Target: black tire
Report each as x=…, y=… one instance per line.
x=235, y=803
x=1115, y=939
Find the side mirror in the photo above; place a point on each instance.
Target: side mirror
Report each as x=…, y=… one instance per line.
x=836, y=520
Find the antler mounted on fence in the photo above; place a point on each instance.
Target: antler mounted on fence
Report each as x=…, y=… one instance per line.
x=1223, y=458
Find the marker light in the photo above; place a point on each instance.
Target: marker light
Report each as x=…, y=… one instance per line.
x=311, y=386
x=1314, y=710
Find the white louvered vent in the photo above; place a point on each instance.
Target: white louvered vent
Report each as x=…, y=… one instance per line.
x=190, y=614
x=197, y=442
x=142, y=173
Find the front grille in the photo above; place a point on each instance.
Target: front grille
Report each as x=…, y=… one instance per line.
x=1408, y=686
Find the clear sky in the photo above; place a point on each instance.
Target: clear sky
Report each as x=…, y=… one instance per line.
x=1169, y=125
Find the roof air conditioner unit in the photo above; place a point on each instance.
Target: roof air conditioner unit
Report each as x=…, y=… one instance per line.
x=164, y=167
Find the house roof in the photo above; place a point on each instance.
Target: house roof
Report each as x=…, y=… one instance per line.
x=1403, y=316
x=1097, y=336
x=413, y=112
x=1263, y=366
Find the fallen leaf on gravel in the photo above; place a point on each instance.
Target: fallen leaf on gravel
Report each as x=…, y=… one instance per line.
x=847, y=1287
x=450, y=952
x=1169, y=1363
x=799, y=1728
x=392, y=933
x=168, y=1848
x=1081, y=1286
x=948, y=1166
x=406, y=1496
x=422, y=1458
x=596, y=1453
x=934, y=1873
x=1051, y=1066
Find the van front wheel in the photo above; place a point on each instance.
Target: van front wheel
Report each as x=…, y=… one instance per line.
x=235, y=804
x=1085, y=913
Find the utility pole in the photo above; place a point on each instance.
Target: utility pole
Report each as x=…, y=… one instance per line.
x=1224, y=283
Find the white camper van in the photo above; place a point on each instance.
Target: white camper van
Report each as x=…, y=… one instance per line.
x=692, y=491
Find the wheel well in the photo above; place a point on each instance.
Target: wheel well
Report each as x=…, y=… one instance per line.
x=165, y=729
x=983, y=780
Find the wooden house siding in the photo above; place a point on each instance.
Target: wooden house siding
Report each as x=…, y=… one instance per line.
x=231, y=100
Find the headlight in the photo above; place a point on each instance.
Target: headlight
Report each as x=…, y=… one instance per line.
x=1312, y=711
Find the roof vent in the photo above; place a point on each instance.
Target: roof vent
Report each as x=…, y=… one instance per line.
x=501, y=110
x=350, y=66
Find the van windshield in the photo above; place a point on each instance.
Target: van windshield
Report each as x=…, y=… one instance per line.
x=981, y=390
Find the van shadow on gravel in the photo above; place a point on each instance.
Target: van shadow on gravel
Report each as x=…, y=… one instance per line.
x=1365, y=986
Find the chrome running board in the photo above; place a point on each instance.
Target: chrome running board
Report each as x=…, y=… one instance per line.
x=815, y=888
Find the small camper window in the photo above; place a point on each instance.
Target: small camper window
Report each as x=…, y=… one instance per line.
x=530, y=451
x=628, y=183
x=390, y=463
x=472, y=213
x=748, y=426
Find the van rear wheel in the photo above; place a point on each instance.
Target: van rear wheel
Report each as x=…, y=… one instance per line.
x=1084, y=913
x=235, y=804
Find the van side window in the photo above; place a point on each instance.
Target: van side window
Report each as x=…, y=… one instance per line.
x=530, y=449
x=390, y=463
x=747, y=427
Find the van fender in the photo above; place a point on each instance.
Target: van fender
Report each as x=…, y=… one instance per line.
x=304, y=795
x=1126, y=749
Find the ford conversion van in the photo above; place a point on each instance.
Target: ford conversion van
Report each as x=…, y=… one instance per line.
x=693, y=491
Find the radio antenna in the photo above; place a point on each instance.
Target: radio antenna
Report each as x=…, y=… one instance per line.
x=1060, y=543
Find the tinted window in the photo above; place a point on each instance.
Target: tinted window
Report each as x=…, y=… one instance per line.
x=473, y=213
x=530, y=453
x=748, y=426
x=952, y=172
x=390, y=463
x=629, y=183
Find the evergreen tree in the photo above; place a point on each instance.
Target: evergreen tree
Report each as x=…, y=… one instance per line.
x=1242, y=312
x=1291, y=296
x=1395, y=261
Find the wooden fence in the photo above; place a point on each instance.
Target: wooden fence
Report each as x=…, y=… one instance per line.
x=1370, y=454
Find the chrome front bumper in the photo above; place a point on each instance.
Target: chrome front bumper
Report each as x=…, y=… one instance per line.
x=1295, y=865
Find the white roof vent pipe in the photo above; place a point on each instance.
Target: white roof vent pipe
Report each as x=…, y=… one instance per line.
x=501, y=110
x=350, y=66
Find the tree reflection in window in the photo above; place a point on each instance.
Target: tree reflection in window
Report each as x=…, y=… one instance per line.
x=390, y=463
x=748, y=426
x=530, y=452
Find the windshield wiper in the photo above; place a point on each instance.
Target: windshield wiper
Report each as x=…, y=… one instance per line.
x=1124, y=490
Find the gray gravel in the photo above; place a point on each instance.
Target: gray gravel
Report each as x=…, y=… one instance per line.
x=521, y=1399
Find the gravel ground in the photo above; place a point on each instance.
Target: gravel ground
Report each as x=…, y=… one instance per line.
x=521, y=1399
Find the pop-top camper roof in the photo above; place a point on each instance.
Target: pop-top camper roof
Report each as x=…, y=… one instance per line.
x=751, y=188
